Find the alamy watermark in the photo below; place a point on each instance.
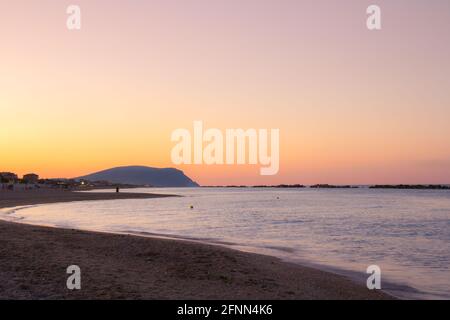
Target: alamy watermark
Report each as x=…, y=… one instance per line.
x=234, y=146
x=74, y=280
x=73, y=21
x=374, y=280
x=373, y=21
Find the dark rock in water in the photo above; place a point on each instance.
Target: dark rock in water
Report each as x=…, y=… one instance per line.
x=328, y=186
x=143, y=176
x=415, y=186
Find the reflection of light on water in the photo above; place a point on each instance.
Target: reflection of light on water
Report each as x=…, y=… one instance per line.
x=406, y=233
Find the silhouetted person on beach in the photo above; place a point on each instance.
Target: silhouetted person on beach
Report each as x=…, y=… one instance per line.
x=117, y=189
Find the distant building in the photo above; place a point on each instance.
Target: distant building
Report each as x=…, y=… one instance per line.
x=31, y=178
x=8, y=177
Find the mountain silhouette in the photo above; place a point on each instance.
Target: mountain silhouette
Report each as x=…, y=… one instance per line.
x=141, y=175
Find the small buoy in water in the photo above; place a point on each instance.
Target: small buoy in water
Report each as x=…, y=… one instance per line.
x=192, y=207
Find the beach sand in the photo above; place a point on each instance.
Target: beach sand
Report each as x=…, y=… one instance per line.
x=33, y=262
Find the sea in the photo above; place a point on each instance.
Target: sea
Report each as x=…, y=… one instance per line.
x=406, y=233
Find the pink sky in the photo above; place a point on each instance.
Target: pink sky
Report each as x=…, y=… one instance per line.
x=352, y=106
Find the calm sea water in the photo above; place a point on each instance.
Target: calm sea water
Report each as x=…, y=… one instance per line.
x=406, y=233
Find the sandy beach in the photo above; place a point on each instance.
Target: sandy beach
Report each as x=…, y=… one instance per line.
x=33, y=262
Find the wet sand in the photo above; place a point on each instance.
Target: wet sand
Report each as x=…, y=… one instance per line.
x=33, y=262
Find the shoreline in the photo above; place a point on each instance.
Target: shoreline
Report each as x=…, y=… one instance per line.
x=116, y=266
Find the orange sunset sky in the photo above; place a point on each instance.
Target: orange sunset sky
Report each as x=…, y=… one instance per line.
x=353, y=106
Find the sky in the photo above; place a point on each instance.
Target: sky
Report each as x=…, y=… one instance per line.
x=353, y=106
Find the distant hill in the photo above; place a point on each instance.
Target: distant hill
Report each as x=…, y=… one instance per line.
x=140, y=175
